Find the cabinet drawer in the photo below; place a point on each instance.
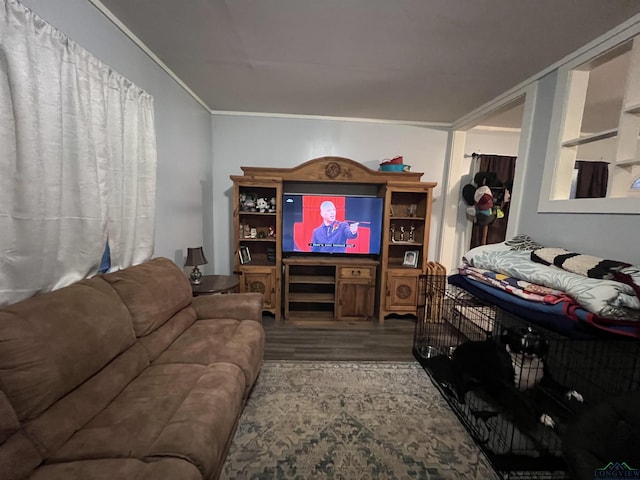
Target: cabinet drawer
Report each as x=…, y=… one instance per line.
x=357, y=272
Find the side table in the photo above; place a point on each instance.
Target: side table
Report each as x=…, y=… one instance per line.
x=211, y=284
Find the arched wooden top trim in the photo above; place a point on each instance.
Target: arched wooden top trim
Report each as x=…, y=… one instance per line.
x=332, y=169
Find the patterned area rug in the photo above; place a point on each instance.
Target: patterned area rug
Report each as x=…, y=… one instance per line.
x=351, y=421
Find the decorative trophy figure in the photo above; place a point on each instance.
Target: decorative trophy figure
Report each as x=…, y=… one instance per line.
x=393, y=232
x=412, y=232
x=402, y=233
x=412, y=209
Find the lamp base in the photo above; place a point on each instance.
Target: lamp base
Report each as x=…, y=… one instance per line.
x=195, y=276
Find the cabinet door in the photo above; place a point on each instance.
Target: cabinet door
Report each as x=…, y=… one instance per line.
x=402, y=291
x=355, y=300
x=262, y=281
x=355, y=292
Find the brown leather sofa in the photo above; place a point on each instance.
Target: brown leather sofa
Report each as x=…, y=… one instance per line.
x=125, y=376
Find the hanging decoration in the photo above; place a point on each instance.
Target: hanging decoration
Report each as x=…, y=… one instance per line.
x=485, y=198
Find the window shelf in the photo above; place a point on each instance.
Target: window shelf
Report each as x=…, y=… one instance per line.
x=633, y=109
x=574, y=108
x=595, y=137
x=628, y=162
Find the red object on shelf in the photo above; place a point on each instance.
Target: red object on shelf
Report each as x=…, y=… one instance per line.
x=394, y=161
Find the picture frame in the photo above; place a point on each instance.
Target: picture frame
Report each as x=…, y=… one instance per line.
x=410, y=258
x=244, y=254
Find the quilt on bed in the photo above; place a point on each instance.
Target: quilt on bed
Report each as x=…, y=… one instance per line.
x=604, y=298
x=515, y=286
x=566, y=318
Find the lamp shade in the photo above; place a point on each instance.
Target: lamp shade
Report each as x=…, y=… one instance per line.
x=195, y=256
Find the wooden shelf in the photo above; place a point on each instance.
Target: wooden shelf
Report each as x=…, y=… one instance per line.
x=317, y=279
x=397, y=265
x=398, y=268
x=419, y=219
x=262, y=273
x=399, y=285
x=311, y=297
x=347, y=288
x=257, y=263
x=345, y=285
x=249, y=239
x=311, y=316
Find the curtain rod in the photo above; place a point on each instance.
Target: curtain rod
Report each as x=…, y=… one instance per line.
x=473, y=155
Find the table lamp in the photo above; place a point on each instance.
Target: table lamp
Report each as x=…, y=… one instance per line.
x=195, y=257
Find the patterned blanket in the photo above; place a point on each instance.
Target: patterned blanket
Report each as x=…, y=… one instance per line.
x=605, y=298
x=516, y=286
x=589, y=266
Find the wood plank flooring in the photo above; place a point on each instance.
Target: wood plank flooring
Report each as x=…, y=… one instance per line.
x=330, y=340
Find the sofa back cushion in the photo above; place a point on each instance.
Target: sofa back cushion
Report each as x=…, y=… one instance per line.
x=18, y=455
x=152, y=291
x=9, y=423
x=53, y=342
x=50, y=430
x=157, y=341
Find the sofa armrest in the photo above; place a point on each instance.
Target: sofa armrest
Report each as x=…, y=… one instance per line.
x=240, y=306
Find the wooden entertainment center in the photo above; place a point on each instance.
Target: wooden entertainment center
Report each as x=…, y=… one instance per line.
x=310, y=287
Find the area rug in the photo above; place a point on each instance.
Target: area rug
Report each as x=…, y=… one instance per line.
x=351, y=421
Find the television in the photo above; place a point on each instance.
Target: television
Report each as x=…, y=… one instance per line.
x=331, y=224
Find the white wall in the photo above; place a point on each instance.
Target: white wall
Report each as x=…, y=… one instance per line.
x=489, y=142
x=604, y=235
x=287, y=142
x=183, y=127
x=492, y=142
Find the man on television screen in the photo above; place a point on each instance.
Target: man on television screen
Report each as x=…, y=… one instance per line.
x=331, y=236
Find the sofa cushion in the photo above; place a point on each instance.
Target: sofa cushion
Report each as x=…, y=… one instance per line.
x=65, y=417
x=51, y=343
x=221, y=340
x=9, y=423
x=152, y=291
x=158, y=340
x=121, y=468
x=174, y=410
x=18, y=457
x=241, y=306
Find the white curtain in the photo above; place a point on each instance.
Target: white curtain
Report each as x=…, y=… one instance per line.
x=131, y=174
x=77, y=160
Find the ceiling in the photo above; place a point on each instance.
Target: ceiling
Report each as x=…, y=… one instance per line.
x=406, y=60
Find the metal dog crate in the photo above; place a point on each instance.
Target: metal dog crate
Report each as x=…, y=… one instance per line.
x=596, y=368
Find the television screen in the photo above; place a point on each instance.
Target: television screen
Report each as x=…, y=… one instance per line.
x=331, y=224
